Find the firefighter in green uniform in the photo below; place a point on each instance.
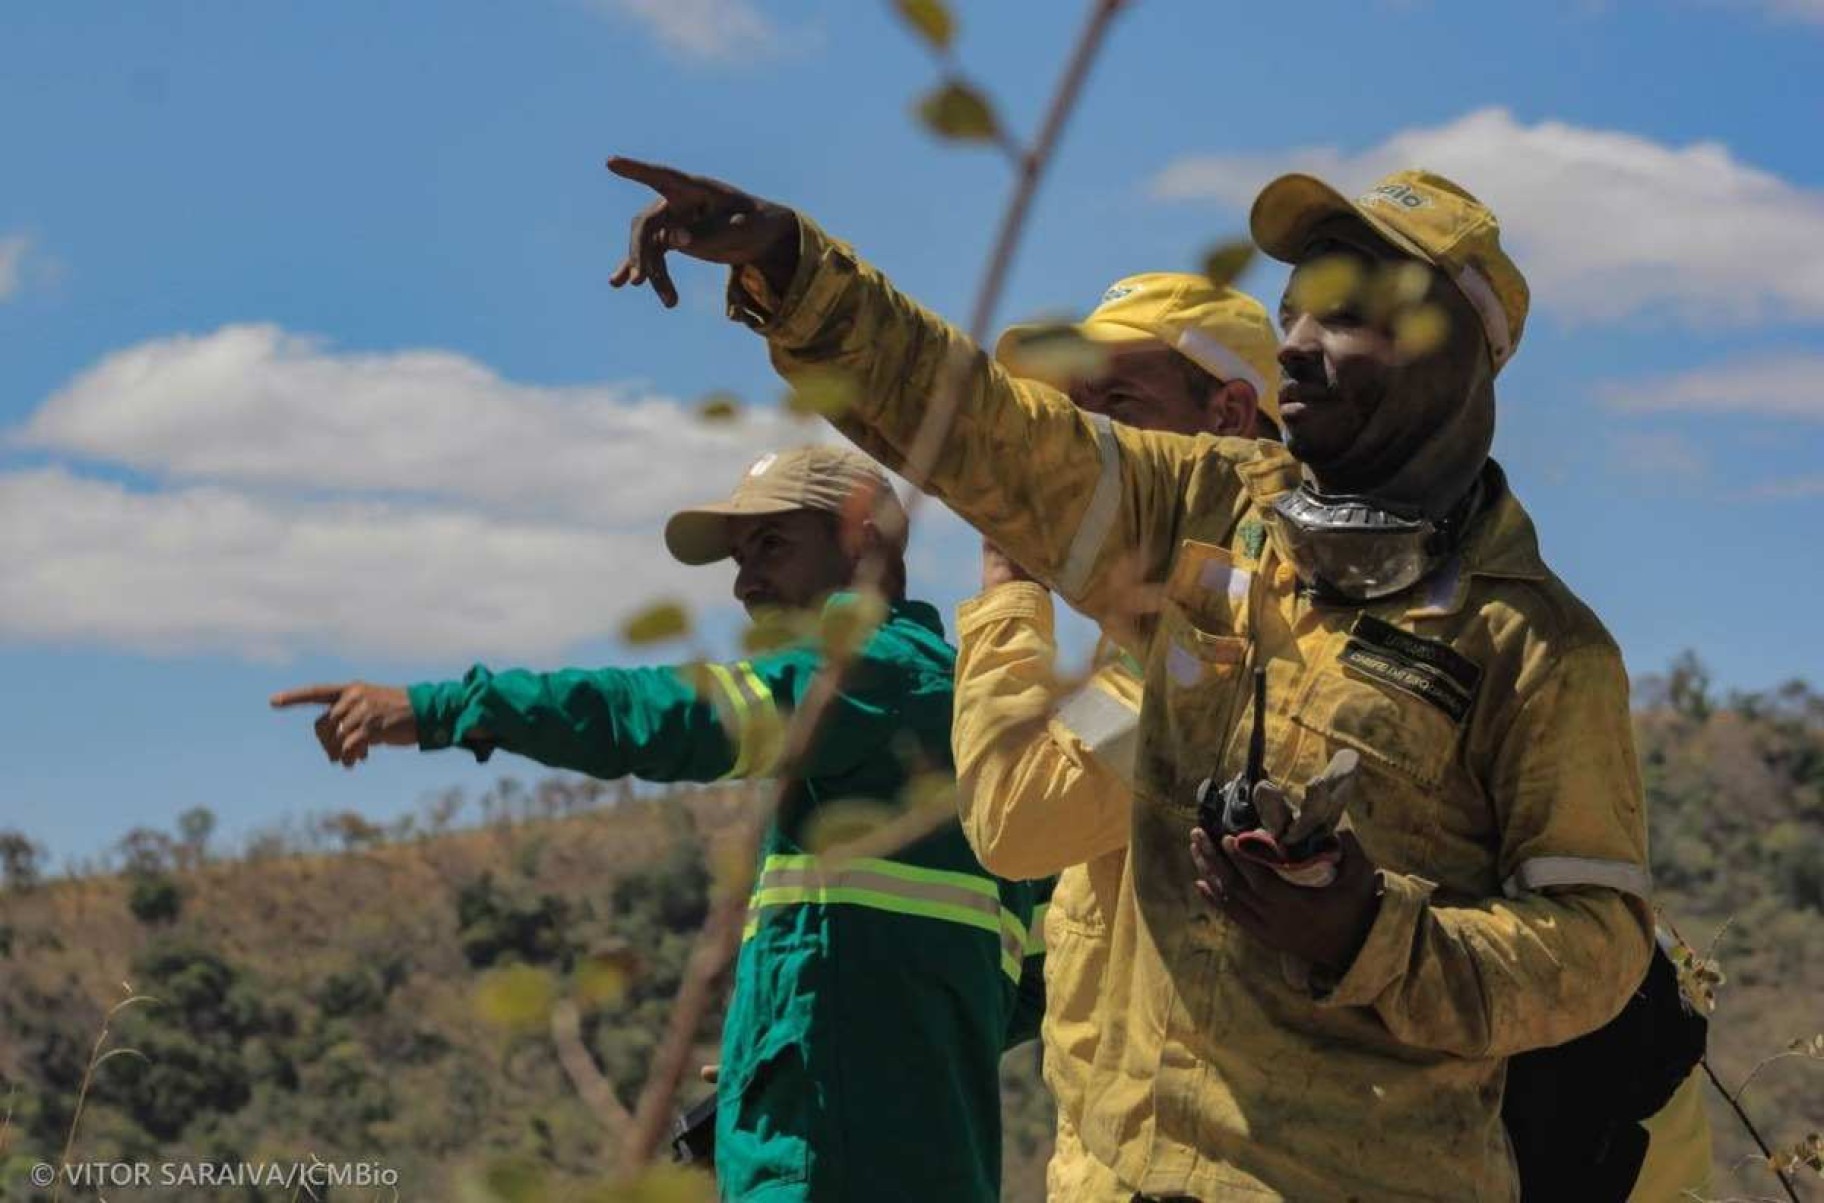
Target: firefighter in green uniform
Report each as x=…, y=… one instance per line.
x=873, y=997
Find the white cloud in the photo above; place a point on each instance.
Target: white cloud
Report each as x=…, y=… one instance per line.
x=1666, y=458
x=197, y=569
x=1782, y=386
x=1791, y=488
x=1810, y=12
x=1604, y=223
x=257, y=406
x=710, y=30
x=12, y=262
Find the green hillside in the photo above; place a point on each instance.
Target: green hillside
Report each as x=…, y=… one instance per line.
x=366, y=995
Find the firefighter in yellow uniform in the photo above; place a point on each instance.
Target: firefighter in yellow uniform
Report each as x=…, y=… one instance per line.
x=1177, y=354
x=1262, y=1039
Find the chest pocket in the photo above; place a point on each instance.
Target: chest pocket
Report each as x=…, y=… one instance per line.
x=1407, y=746
x=1198, y=656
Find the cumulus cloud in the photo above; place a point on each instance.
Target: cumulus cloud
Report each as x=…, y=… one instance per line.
x=1606, y=224
x=1810, y=12
x=1779, y=386
x=708, y=30
x=253, y=405
x=211, y=569
x=12, y=264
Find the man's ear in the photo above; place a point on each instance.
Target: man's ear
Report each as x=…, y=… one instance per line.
x=1230, y=409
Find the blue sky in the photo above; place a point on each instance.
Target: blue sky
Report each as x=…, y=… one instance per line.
x=309, y=368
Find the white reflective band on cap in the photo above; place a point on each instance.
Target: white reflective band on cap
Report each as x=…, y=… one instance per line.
x=1108, y=727
x=1475, y=286
x=1208, y=353
x=1547, y=871
x=1099, y=518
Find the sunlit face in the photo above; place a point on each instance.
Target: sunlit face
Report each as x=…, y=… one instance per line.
x=792, y=560
x=1350, y=403
x=1149, y=387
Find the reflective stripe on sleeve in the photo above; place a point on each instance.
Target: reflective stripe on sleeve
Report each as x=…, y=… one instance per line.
x=1099, y=518
x=1108, y=727
x=1543, y=872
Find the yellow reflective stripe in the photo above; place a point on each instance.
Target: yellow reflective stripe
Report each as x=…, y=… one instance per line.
x=810, y=863
x=767, y=732
x=752, y=717
x=947, y=896
x=1035, y=938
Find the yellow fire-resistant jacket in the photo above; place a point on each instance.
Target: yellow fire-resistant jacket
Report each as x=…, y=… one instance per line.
x=1499, y=795
x=1045, y=787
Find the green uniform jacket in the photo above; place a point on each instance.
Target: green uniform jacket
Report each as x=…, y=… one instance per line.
x=861, y=1053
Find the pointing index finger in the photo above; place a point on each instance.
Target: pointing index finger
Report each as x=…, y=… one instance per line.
x=317, y=695
x=661, y=179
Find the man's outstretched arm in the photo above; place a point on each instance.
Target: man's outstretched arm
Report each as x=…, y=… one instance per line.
x=1091, y=508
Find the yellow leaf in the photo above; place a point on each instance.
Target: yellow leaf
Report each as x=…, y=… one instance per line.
x=719, y=407
x=1324, y=285
x=1224, y=264
x=516, y=997
x=657, y=623
x=822, y=393
x=1393, y=288
x=774, y=628
x=931, y=791
x=661, y=1184
x=603, y=977
x=846, y=626
x=843, y=821
x=930, y=19
x=506, y=1180
x=958, y=112
x=1056, y=353
x=1420, y=330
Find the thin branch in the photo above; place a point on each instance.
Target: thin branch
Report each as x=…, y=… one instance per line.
x=1742, y=1090
x=720, y=938
x=1752, y=1130
x=580, y=1068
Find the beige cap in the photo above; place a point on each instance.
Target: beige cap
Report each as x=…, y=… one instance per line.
x=831, y=479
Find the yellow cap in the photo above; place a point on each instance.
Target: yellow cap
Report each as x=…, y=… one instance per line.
x=831, y=479
x=1224, y=331
x=1422, y=214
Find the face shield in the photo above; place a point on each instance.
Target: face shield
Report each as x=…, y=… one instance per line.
x=1351, y=547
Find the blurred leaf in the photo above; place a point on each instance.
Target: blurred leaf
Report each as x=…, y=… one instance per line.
x=719, y=407
x=847, y=625
x=660, y=1184
x=1224, y=264
x=930, y=791
x=1420, y=330
x=930, y=19
x=657, y=623
x=1394, y=287
x=822, y=393
x=1324, y=285
x=603, y=976
x=843, y=822
x=777, y=627
x=958, y=112
x=515, y=997
x=1056, y=353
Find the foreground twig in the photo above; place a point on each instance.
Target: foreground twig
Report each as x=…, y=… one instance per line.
x=1752, y=1130
x=720, y=938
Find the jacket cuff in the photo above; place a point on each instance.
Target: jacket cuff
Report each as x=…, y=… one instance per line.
x=1387, y=951
x=1023, y=601
x=825, y=269
x=444, y=717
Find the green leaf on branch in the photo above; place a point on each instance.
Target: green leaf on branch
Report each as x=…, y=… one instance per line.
x=1224, y=264
x=719, y=407
x=822, y=393
x=930, y=19
x=960, y=113
x=656, y=624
